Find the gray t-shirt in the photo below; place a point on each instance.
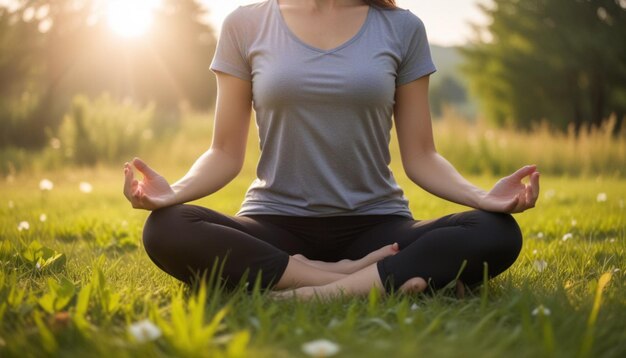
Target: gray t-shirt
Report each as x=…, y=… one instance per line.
x=324, y=116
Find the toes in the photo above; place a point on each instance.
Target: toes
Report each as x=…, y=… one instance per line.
x=460, y=289
x=414, y=285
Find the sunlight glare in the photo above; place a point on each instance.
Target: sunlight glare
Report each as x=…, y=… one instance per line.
x=130, y=18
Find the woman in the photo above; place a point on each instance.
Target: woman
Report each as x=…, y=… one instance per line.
x=325, y=215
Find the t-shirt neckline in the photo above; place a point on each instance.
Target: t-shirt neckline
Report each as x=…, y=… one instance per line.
x=291, y=34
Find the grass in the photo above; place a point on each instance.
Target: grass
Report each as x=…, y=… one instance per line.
x=474, y=148
x=72, y=285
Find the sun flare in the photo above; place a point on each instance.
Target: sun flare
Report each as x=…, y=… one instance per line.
x=130, y=18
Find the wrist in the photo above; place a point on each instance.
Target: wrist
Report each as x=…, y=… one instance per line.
x=174, y=197
x=477, y=198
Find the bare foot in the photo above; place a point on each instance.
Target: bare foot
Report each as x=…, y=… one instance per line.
x=460, y=289
x=418, y=284
x=351, y=266
x=357, y=284
x=414, y=285
x=301, y=293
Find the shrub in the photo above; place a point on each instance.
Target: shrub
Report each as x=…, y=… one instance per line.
x=104, y=130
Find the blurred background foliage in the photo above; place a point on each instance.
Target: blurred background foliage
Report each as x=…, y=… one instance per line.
x=72, y=91
x=52, y=50
x=563, y=61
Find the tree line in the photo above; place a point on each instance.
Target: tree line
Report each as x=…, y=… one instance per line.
x=563, y=61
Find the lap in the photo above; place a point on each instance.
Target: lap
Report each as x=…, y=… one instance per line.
x=406, y=231
x=340, y=238
x=175, y=220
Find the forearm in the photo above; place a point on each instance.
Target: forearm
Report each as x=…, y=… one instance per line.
x=210, y=172
x=435, y=174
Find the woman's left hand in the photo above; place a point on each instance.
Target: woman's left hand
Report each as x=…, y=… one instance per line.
x=510, y=195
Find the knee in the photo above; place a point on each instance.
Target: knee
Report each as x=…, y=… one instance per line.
x=505, y=233
x=160, y=228
x=499, y=243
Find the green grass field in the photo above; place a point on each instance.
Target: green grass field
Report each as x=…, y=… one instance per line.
x=74, y=283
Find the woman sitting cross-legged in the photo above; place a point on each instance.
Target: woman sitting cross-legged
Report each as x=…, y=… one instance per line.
x=327, y=80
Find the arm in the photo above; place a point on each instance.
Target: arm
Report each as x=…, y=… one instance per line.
x=224, y=160
x=426, y=168
x=213, y=169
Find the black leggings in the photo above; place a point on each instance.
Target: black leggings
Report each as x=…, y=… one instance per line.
x=185, y=240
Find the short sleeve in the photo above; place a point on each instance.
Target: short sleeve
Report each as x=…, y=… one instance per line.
x=416, y=60
x=231, y=51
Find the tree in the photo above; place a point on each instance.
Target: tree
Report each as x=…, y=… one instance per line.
x=448, y=91
x=20, y=44
x=53, y=50
x=560, y=60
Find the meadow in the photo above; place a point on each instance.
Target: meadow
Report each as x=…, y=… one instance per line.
x=75, y=281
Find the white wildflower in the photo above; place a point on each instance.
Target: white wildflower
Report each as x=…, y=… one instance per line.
x=544, y=311
x=540, y=235
x=535, y=252
x=43, y=218
x=144, y=331
x=320, y=348
x=616, y=270
x=414, y=307
x=612, y=240
x=408, y=320
x=38, y=265
x=540, y=265
x=45, y=185
x=23, y=225
x=601, y=198
x=85, y=187
x=567, y=236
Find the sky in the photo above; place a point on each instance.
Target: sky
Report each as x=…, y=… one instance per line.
x=446, y=21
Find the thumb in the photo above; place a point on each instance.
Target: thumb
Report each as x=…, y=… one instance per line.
x=144, y=168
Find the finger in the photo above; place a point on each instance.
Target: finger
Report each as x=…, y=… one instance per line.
x=523, y=172
x=144, y=168
x=136, y=189
x=534, y=183
x=512, y=205
x=530, y=202
x=128, y=178
x=395, y=246
x=145, y=201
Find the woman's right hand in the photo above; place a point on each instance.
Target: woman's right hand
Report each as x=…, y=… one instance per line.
x=152, y=192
